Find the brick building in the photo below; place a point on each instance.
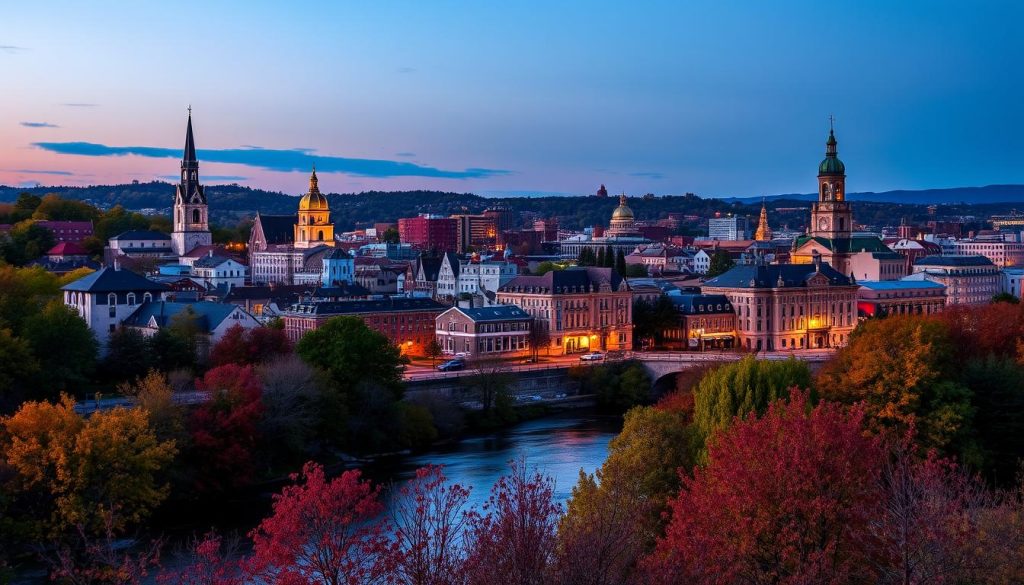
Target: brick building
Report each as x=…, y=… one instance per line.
x=501, y=331
x=430, y=232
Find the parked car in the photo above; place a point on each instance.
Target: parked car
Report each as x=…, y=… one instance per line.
x=452, y=365
x=462, y=354
x=592, y=357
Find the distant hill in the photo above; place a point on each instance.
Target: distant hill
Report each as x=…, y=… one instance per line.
x=231, y=203
x=963, y=195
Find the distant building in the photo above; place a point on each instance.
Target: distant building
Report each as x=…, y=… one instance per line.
x=140, y=244
x=500, y=331
x=408, y=322
x=789, y=306
x=74, y=232
x=705, y=322
x=621, y=235
x=900, y=297
x=1012, y=281
x=581, y=309
x=911, y=250
x=105, y=298
x=212, y=320
x=214, y=271
x=1004, y=250
x=269, y=231
x=728, y=228
x=65, y=257
x=191, y=216
x=473, y=276
x=969, y=280
x=430, y=232
x=476, y=232
x=701, y=262
x=314, y=227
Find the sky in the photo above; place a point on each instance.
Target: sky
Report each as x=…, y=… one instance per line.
x=716, y=97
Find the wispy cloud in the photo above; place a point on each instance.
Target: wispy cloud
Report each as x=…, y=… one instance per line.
x=277, y=160
x=407, y=70
x=405, y=154
x=12, y=49
x=79, y=105
x=39, y=125
x=648, y=175
x=41, y=172
x=232, y=178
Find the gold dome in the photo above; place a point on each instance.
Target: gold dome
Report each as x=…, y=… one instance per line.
x=313, y=201
x=622, y=211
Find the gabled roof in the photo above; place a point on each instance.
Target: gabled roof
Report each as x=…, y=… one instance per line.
x=277, y=229
x=210, y=261
x=571, y=280
x=141, y=235
x=67, y=249
x=388, y=305
x=108, y=280
x=208, y=315
x=776, y=276
x=200, y=251
x=493, y=314
x=428, y=266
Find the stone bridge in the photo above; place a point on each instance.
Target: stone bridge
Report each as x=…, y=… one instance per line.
x=663, y=366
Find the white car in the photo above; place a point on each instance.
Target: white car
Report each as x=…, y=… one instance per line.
x=592, y=357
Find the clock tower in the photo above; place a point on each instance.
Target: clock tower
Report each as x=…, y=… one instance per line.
x=831, y=216
x=191, y=219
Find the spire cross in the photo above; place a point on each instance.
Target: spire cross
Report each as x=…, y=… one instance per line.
x=190, y=109
x=831, y=122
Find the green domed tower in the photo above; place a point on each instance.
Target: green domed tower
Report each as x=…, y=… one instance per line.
x=831, y=216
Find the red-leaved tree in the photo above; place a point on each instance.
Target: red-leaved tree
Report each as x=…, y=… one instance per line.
x=255, y=346
x=225, y=429
x=513, y=541
x=322, y=531
x=783, y=499
x=209, y=562
x=429, y=535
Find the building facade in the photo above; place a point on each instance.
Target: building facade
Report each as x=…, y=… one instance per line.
x=728, y=228
x=430, y=232
x=502, y=331
x=1004, y=250
x=314, y=227
x=900, y=297
x=407, y=322
x=704, y=322
x=789, y=306
x=580, y=309
x=969, y=280
x=105, y=298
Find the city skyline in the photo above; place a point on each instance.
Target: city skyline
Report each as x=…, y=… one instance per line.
x=717, y=100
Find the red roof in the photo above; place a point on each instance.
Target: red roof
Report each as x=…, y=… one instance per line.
x=67, y=249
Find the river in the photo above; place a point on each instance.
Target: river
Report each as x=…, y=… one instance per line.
x=558, y=446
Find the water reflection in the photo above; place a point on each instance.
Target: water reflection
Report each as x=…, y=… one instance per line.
x=558, y=446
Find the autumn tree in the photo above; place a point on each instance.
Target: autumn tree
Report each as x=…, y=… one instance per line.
x=430, y=522
x=86, y=473
x=209, y=560
x=23, y=293
x=224, y=430
x=721, y=262
x=912, y=382
x=489, y=382
x=783, y=499
x=291, y=397
x=128, y=355
x=253, y=346
x=18, y=367
x=321, y=531
x=513, y=541
x=154, y=395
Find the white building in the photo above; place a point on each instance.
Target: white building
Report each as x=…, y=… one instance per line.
x=140, y=244
x=1012, y=279
x=105, y=298
x=728, y=228
x=474, y=277
x=1003, y=250
x=214, y=271
x=701, y=262
x=212, y=320
x=969, y=280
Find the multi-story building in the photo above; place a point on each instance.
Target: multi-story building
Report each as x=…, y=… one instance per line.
x=408, y=322
x=581, y=309
x=499, y=331
x=622, y=235
x=704, y=321
x=911, y=250
x=140, y=244
x=430, y=232
x=105, y=298
x=476, y=232
x=473, y=276
x=214, y=271
x=789, y=306
x=969, y=280
x=1004, y=250
x=1012, y=281
x=67, y=231
x=65, y=257
x=899, y=297
x=728, y=228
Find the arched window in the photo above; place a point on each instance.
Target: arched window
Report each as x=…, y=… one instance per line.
x=131, y=298
x=195, y=216
x=147, y=297
x=320, y=235
x=111, y=299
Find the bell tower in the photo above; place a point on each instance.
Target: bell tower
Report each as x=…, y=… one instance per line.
x=831, y=215
x=191, y=216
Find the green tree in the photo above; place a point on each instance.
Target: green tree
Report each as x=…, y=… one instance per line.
x=740, y=388
x=636, y=271
x=26, y=242
x=620, y=263
x=23, y=293
x=128, y=356
x=18, y=367
x=720, y=263
x=65, y=347
x=352, y=353
x=650, y=320
x=586, y=257
x=997, y=386
x=608, y=261
x=54, y=207
x=545, y=267
x=1005, y=298
x=390, y=236
x=600, y=257
x=169, y=352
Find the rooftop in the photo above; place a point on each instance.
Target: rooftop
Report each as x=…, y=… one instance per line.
x=388, y=305
x=208, y=315
x=497, y=313
x=141, y=235
x=777, y=276
x=113, y=280
x=954, y=260
x=899, y=284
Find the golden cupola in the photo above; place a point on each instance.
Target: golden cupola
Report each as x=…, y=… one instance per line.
x=313, y=200
x=314, y=227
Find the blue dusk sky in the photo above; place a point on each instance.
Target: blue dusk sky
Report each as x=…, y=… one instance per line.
x=714, y=97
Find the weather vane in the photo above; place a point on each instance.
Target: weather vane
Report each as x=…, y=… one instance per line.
x=831, y=122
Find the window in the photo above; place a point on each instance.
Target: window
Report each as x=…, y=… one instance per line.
x=195, y=216
x=131, y=298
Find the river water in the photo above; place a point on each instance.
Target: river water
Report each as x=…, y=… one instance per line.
x=557, y=446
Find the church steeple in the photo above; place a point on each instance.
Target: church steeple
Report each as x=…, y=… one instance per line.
x=763, y=233
x=313, y=182
x=191, y=219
